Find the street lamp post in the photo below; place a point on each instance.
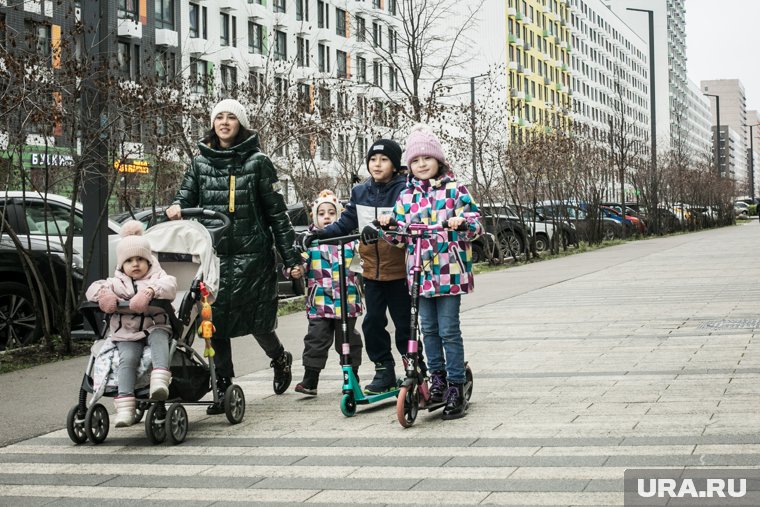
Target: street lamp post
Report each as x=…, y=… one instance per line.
x=653, y=198
x=474, y=144
x=752, y=161
x=717, y=130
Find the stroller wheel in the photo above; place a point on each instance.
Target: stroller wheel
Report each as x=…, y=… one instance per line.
x=140, y=411
x=75, y=426
x=96, y=423
x=234, y=404
x=176, y=423
x=155, y=428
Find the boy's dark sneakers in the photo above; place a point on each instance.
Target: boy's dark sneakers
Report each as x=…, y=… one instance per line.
x=282, y=374
x=456, y=404
x=385, y=379
x=438, y=386
x=308, y=385
x=222, y=383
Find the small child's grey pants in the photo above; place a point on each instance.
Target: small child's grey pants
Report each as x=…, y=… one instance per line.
x=130, y=354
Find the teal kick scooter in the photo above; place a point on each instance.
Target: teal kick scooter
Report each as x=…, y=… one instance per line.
x=352, y=391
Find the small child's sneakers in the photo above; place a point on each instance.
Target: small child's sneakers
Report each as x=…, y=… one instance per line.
x=308, y=385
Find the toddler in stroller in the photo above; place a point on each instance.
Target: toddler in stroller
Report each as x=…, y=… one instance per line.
x=145, y=354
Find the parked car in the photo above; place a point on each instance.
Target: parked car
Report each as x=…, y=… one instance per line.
x=633, y=224
x=544, y=231
x=19, y=324
x=506, y=227
x=299, y=217
x=37, y=215
x=582, y=221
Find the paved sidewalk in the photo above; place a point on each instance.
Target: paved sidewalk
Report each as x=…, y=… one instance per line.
x=640, y=355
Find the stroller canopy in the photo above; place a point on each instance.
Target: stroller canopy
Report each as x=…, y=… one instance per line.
x=191, y=238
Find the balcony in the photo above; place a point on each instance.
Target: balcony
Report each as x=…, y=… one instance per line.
x=196, y=46
x=165, y=37
x=129, y=29
x=513, y=65
x=254, y=60
x=527, y=20
x=511, y=11
x=227, y=5
x=256, y=11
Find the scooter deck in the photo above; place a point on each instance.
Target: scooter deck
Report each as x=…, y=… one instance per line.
x=351, y=386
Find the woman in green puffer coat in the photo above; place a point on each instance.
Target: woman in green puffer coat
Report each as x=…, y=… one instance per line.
x=232, y=176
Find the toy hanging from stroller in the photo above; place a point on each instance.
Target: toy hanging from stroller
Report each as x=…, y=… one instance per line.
x=186, y=250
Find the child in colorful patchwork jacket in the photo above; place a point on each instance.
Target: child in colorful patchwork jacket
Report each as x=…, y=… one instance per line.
x=138, y=279
x=433, y=196
x=323, y=298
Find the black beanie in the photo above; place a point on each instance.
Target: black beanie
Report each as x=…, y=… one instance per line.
x=389, y=148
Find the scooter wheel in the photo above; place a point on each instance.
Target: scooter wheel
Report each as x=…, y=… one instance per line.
x=407, y=405
x=468, y=383
x=348, y=405
x=75, y=426
x=234, y=404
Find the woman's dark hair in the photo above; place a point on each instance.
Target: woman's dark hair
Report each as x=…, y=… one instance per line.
x=212, y=140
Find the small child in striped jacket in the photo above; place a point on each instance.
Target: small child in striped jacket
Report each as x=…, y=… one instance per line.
x=323, y=298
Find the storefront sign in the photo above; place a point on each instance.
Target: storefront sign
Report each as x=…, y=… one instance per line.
x=132, y=166
x=50, y=159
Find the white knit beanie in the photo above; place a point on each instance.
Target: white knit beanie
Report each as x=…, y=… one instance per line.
x=325, y=196
x=132, y=243
x=231, y=106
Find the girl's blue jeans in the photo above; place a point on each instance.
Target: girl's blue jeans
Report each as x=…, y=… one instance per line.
x=439, y=321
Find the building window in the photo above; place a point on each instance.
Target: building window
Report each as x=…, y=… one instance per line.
x=323, y=15
x=128, y=10
x=325, y=149
x=255, y=38
x=361, y=28
x=377, y=69
x=340, y=22
x=304, y=98
x=392, y=80
x=229, y=78
x=341, y=102
x=361, y=147
x=392, y=7
x=302, y=52
x=280, y=45
x=361, y=109
x=128, y=60
x=198, y=18
x=39, y=37
x=323, y=58
x=361, y=69
x=198, y=75
x=255, y=81
x=165, y=14
x=279, y=5
x=342, y=65
x=224, y=32
x=392, y=40
x=166, y=67
x=379, y=110
x=377, y=34
x=325, y=104
x=302, y=10
x=376, y=4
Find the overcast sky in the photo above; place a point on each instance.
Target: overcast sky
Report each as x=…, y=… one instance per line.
x=723, y=42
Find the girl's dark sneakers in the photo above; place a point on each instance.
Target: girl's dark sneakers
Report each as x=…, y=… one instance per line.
x=456, y=404
x=308, y=385
x=437, y=386
x=282, y=374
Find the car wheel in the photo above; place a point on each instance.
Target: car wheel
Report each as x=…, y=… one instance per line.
x=609, y=233
x=510, y=243
x=19, y=325
x=542, y=243
x=478, y=255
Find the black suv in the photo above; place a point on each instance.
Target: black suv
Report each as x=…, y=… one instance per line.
x=19, y=325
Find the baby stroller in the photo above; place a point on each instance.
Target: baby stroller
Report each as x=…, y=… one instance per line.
x=186, y=250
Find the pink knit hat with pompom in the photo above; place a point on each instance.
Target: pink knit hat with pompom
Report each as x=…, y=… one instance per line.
x=422, y=142
x=132, y=243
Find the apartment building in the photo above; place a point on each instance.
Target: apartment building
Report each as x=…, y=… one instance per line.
x=694, y=134
x=220, y=45
x=669, y=34
x=610, y=73
x=733, y=114
x=538, y=67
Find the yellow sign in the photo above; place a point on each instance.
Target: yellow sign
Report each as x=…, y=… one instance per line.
x=132, y=166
